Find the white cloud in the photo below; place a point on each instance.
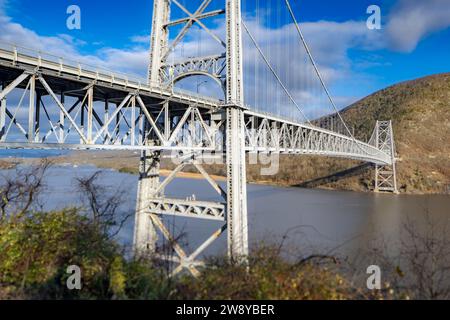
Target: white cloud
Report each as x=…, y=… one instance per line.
x=412, y=20
x=141, y=39
x=132, y=61
x=330, y=43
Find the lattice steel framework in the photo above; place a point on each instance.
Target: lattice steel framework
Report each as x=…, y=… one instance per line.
x=226, y=69
x=66, y=105
x=385, y=174
x=95, y=119
x=267, y=134
x=162, y=72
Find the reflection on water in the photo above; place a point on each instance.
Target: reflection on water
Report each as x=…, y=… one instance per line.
x=24, y=154
x=312, y=220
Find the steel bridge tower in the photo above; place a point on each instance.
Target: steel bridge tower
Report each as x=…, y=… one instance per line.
x=162, y=74
x=386, y=175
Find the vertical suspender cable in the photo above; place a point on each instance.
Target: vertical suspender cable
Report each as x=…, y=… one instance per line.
x=320, y=76
x=273, y=71
x=311, y=58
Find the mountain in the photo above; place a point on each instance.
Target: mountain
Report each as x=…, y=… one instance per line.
x=420, y=111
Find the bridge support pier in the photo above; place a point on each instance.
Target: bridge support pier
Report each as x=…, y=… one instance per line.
x=2, y=116
x=190, y=127
x=153, y=205
x=386, y=175
x=236, y=184
x=145, y=236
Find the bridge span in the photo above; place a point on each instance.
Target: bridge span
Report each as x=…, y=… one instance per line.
x=108, y=97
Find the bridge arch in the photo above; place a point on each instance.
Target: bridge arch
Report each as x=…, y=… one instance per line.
x=188, y=74
x=219, y=89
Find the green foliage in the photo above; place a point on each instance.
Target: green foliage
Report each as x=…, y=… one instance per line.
x=117, y=278
x=266, y=277
x=35, y=252
x=145, y=281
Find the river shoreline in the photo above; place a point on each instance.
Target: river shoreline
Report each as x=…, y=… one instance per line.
x=129, y=162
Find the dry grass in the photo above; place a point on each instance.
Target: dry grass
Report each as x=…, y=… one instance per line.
x=420, y=110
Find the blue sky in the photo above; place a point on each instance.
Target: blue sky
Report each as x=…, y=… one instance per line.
x=414, y=40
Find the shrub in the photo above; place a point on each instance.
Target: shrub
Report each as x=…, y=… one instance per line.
x=36, y=251
x=267, y=276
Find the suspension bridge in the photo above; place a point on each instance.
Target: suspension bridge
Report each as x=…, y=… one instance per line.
x=63, y=104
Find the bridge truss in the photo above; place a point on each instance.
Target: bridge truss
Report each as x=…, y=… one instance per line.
x=59, y=104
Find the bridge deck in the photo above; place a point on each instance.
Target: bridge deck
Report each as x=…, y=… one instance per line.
x=264, y=133
x=20, y=58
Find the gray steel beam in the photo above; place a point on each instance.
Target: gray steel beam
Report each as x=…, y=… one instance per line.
x=62, y=119
x=198, y=16
x=145, y=236
x=31, y=109
x=159, y=40
x=236, y=184
x=90, y=116
x=235, y=136
x=37, y=123
x=2, y=116
x=188, y=208
x=6, y=90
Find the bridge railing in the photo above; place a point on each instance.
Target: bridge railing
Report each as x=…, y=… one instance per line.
x=277, y=134
x=38, y=58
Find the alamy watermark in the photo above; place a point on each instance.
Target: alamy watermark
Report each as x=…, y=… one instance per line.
x=73, y=22
x=374, y=20
x=269, y=163
x=263, y=147
x=374, y=280
x=74, y=280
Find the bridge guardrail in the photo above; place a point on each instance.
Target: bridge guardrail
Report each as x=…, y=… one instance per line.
x=40, y=59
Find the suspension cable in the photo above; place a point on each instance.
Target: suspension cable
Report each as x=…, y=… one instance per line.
x=308, y=51
x=288, y=4
x=274, y=72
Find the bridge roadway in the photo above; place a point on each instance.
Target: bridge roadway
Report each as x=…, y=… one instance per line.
x=180, y=120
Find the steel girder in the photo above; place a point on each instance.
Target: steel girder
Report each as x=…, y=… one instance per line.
x=341, y=145
x=94, y=121
x=237, y=216
x=155, y=205
x=212, y=66
x=165, y=74
x=266, y=134
x=188, y=208
x=25, y=59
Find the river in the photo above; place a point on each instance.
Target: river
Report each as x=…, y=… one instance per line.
x=309, y=221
